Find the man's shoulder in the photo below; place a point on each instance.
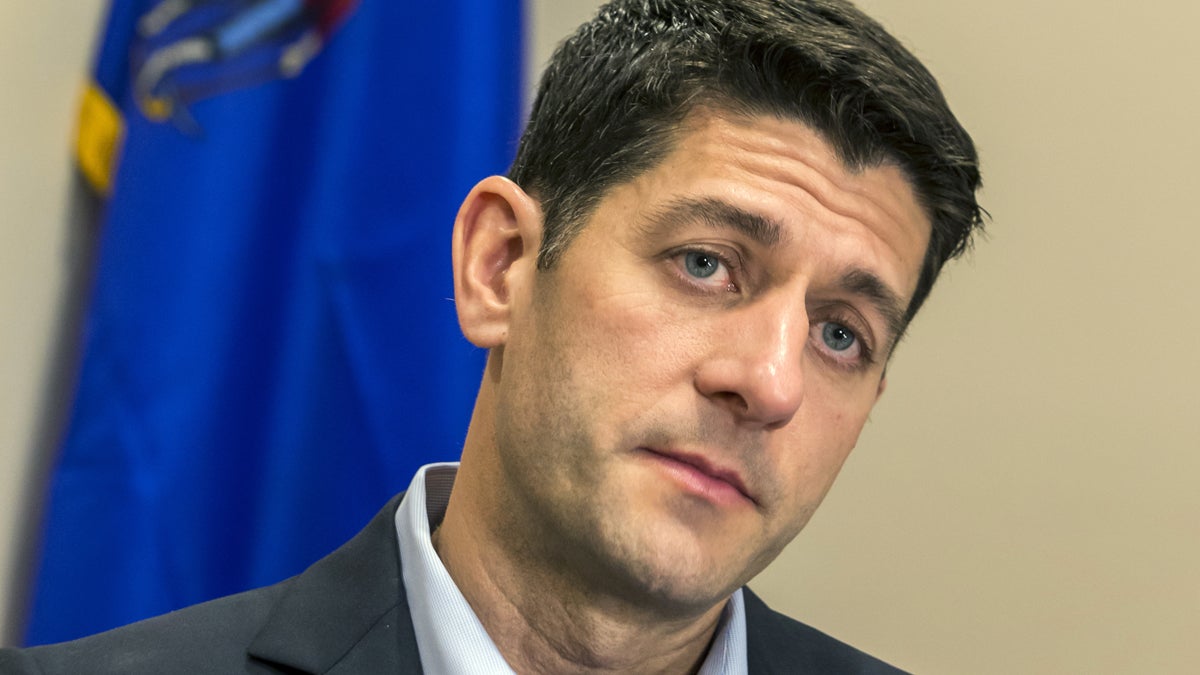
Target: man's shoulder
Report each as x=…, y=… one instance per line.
x=776, y=643
x=207, y=638
x=347, y=613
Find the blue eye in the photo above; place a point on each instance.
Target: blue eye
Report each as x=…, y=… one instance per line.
x=837, y=337
x=700, y=264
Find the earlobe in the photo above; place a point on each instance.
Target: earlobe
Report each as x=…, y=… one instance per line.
x=496, y=238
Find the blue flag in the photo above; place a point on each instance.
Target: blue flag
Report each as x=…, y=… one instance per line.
x=271, y=347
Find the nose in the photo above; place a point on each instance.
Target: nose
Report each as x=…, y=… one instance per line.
x=755, y=369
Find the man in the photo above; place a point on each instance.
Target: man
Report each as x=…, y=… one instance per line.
x=721, y=217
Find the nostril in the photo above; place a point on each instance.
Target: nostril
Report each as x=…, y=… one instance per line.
x=734, y=401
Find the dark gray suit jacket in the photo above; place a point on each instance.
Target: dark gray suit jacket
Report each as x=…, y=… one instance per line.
x=348, y=614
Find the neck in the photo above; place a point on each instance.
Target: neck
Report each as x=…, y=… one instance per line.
x=543, y=615
x=541, y=625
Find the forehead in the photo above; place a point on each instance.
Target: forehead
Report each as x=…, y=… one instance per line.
x=785, y=172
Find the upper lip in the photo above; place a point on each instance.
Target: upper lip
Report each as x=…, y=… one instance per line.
x=708, y=468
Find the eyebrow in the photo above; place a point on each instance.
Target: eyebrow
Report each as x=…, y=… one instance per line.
x=720, y=214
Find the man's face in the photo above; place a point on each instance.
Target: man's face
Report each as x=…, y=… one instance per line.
x=676, y=396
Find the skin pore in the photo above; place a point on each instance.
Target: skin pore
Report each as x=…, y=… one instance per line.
x=663, y=411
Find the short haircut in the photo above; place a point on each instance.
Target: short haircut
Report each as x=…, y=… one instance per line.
x=612, y=100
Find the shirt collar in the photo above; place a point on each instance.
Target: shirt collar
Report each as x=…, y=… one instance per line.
x=450, y=638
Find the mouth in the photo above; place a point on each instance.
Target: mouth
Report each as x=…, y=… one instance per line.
x=696, y=474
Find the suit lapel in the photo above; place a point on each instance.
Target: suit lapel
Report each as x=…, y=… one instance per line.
x=348, y=613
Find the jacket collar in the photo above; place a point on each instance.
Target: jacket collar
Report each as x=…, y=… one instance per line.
x=348, y=613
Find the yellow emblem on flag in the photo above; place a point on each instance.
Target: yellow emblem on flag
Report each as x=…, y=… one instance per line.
x=101, y=131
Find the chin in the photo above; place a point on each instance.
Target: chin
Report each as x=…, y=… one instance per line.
x=672, y=570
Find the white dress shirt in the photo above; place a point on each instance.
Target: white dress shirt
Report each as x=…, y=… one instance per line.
x=450, y=639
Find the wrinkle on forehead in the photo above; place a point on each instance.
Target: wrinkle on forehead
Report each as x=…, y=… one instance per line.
x=777, y=150
x=787, y=177
x=717, y=214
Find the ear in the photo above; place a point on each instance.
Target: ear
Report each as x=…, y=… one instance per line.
x=496, y=238
x=882, y=386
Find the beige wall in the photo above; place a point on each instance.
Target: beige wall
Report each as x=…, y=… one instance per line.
x=1024, y=498
x=44, y=51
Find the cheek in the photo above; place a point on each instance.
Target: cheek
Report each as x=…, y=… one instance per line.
x=636, y=338
x=824, y=437
x=841, y=428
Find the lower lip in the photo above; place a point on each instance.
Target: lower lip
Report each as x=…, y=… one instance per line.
x=698, y=483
